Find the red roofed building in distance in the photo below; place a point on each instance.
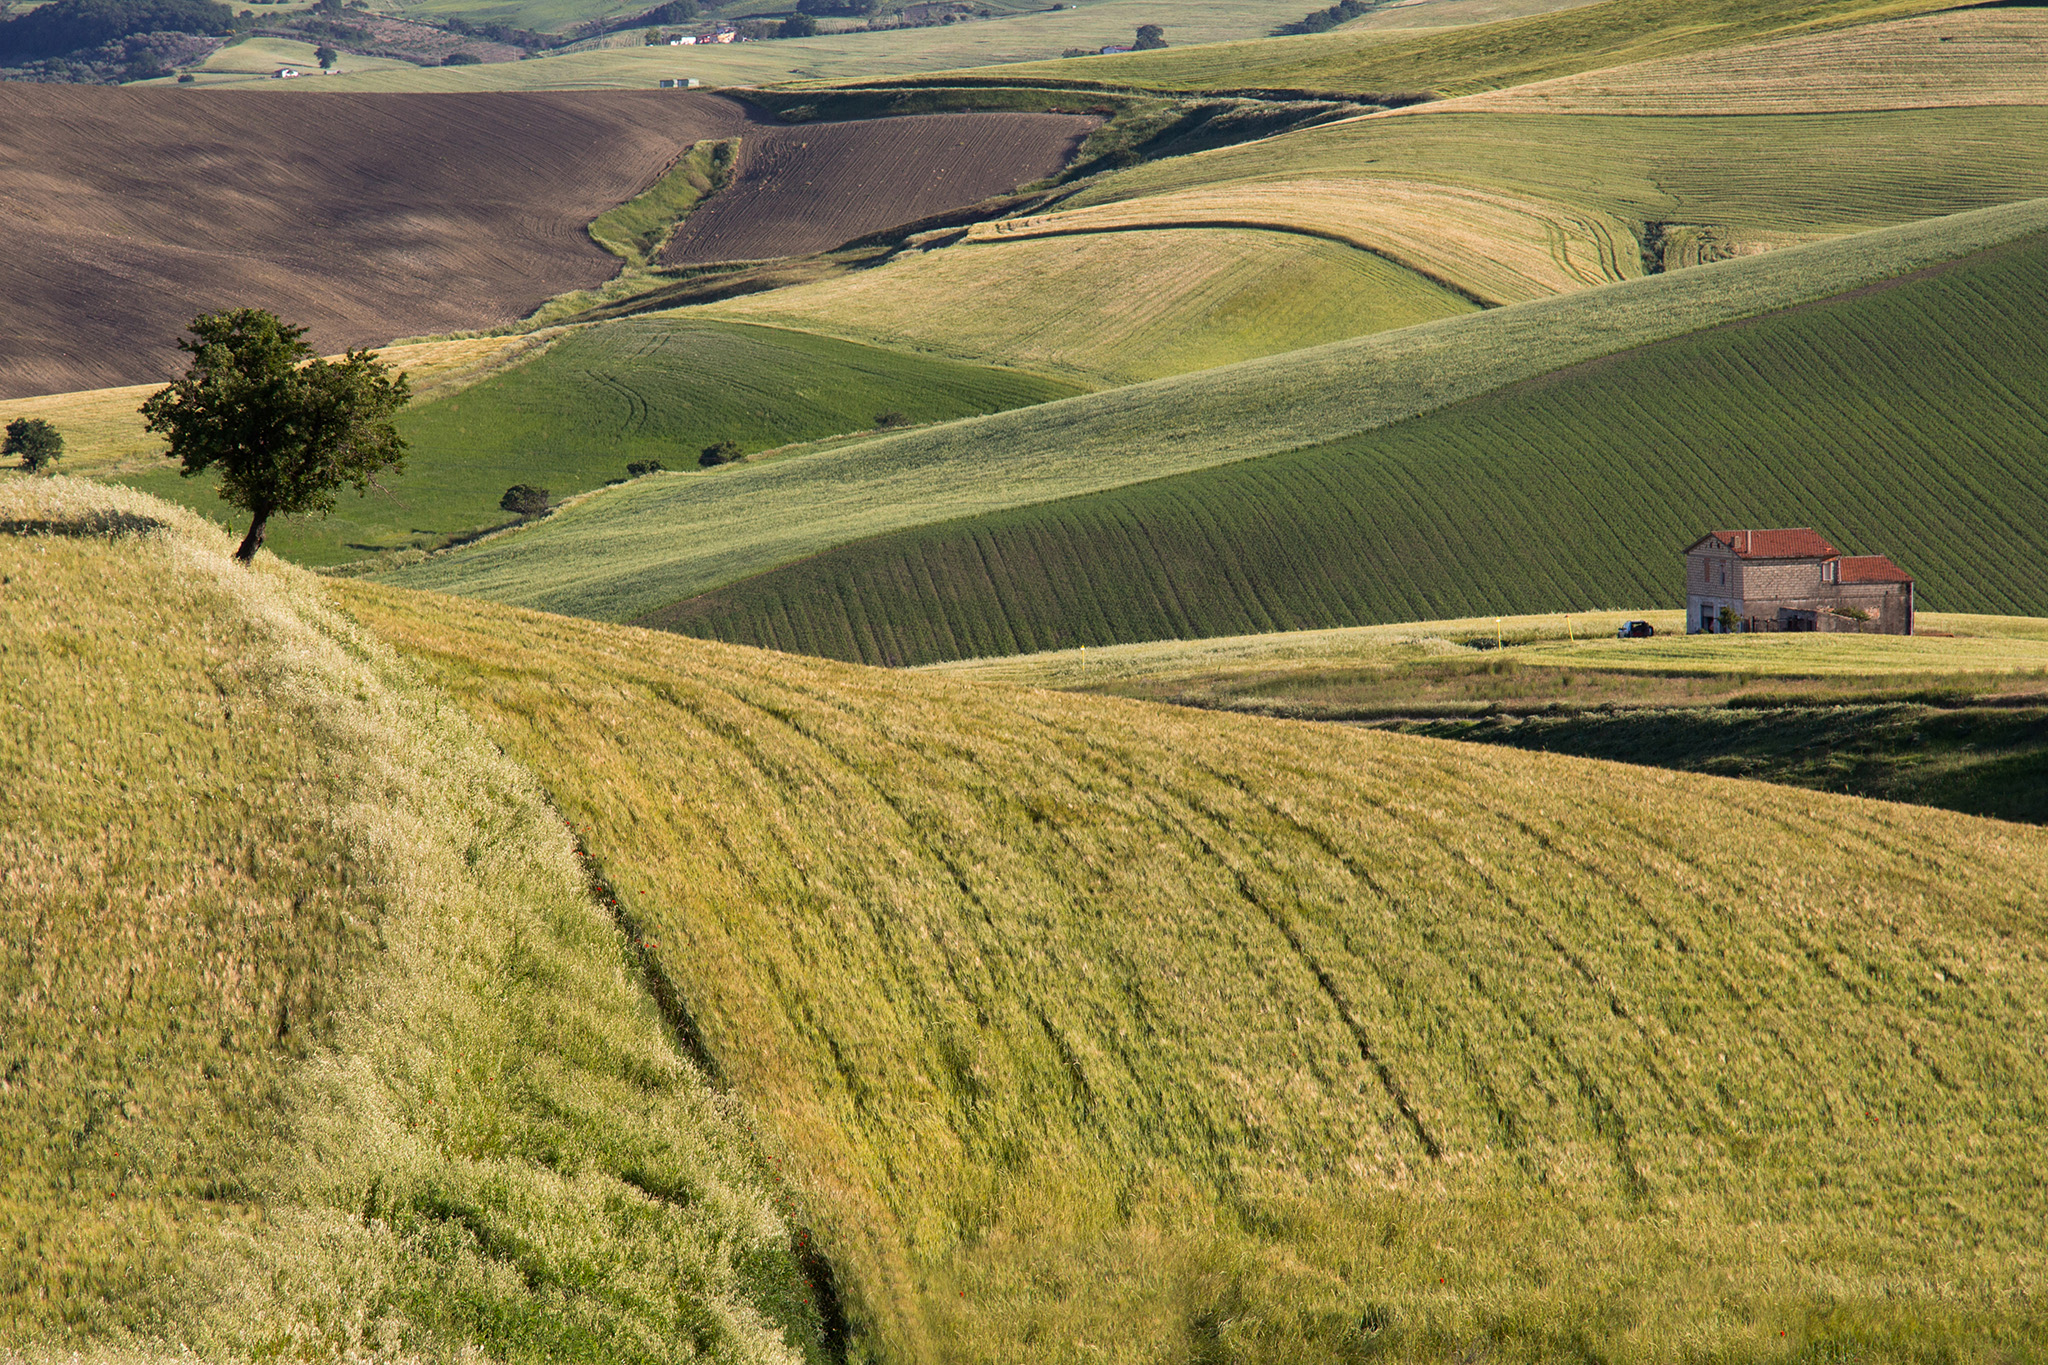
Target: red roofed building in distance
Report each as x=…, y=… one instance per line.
x=1792, y=579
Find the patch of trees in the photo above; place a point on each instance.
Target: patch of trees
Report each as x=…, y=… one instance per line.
x=1323, y=20
x=510, y=36
x=799, y=26
x=722, y=452
x=523, y=499
x=853, y=8
x=68, y=26
x=1151, y=37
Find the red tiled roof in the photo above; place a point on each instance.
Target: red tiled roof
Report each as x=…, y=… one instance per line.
x=1797, y=542
x=1872, y=569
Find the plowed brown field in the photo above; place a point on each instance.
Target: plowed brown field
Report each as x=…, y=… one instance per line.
x=366, y=217
x=817, y=185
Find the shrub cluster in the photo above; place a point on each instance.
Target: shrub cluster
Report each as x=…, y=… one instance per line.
x=1323, y=20
x=71, y=26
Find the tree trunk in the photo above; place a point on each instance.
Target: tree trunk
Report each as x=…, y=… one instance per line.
x=253, y=542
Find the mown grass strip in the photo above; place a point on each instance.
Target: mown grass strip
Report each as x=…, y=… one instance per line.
x=309, y=1028
x=634, y=550
x=1906, y=420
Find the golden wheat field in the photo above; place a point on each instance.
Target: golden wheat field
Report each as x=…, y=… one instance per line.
x=1099, y=1030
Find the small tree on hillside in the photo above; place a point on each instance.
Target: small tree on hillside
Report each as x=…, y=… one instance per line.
x=326, y=56
x=35, y=440
x=1150, y=38
x=641, y=468
x=799, y=26
x=525, y=499
x=284, y=428
x=724, y=452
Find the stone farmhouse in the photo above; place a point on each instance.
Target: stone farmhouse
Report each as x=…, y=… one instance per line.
x=1792, y=579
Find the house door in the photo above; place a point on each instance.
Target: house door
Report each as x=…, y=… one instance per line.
x=1706, y=617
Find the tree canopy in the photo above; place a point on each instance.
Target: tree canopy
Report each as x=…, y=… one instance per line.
x=284, y=428
x=67, y=25
x=35, y=441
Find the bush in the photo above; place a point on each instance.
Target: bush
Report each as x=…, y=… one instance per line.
x=641, y=467
x=525, y=499
x=799, y=26
x=1323, y=20
x=891, y=419
x=725, y=452
x=462, y=59
x=35, y=440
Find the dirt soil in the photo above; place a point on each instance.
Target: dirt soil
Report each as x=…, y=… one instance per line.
x=813, y=186
x=365, y=217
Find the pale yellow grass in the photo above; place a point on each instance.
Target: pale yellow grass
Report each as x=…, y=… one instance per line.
x=1497, y=246
x=1958, y=58
x=102, y=428
x=1113, y=308
x=316, y=1044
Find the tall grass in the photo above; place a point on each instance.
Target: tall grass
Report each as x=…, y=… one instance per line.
x=1105, y=1031
x=316, y=1044
x=1905, y=421
x=637, y=549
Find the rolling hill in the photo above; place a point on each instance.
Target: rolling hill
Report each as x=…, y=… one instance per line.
x=127, y=212
x=317, y=1037
x=374, y=217
x=571, y=418
x=1127, y=1032
x=1902, y=418
x=633, y=551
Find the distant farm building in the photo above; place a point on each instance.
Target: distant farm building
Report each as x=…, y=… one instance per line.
x=1110, y=51
x=687, y=40
x=1792, y=579
x=285, y=73
x=679, y=82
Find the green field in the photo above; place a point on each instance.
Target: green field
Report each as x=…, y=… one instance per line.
x=1113, y=307
x=1123, y=1032
x=643, y=388
x=317, y=1043
x=637, y=549
x=1483, y=56
x=1907, y=420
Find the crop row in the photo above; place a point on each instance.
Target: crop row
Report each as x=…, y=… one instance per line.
x=1908, y=421
x=639, y=548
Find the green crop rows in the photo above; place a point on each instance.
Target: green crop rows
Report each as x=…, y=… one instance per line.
x=1910, y=420
x=648, y=545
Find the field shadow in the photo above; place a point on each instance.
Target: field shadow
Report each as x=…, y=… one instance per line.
x=97, y=524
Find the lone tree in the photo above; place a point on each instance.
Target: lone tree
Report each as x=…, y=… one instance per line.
x=35, y=440
x=326, y=56
x=1150, y=38
x=724, y=452
x=525, y=499
x=285, y=428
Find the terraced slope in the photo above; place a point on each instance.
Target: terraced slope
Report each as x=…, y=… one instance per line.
x=1956, y=58
x=635, y=550
x=599, y=398
x=1132, y=1033
x=315, y=1038
x=1905, y=418
x=1114, y=307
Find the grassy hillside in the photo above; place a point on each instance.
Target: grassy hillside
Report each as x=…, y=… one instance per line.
x=1481, y=56
x=1905, y=420
x=316, y=1041
x=637, y=549
x=1114, y=308
x=1953, y=58
x=1131, y=1033
x=643, y=388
